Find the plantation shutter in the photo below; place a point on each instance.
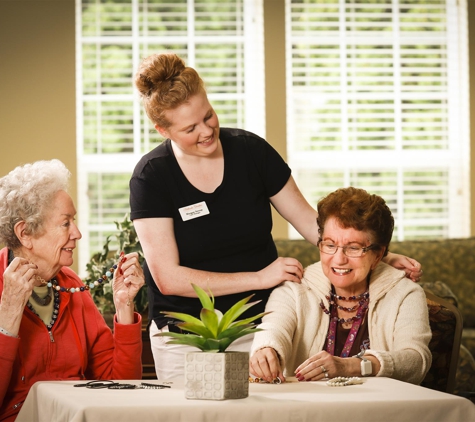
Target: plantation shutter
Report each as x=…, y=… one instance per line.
x=223, y=40
x=377, y=97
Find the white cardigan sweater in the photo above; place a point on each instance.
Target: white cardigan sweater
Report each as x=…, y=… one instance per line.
x=398, y=322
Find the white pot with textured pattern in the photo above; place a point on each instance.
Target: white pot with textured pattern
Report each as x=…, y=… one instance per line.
x=216, y=376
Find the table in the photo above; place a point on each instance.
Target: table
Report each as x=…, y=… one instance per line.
x=377, y=399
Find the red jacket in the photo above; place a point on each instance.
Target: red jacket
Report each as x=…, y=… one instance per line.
x=83, y=346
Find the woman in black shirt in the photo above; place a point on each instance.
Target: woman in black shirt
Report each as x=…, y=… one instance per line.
x=201, y=205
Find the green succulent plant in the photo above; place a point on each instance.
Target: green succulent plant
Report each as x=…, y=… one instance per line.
x=213, y=332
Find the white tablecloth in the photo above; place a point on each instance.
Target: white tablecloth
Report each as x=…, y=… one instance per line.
x=377, y=399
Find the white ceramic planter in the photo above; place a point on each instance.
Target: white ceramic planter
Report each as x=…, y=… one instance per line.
x=216, y=376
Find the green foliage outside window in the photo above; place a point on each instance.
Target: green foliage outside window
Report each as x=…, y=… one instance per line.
x=101, y=262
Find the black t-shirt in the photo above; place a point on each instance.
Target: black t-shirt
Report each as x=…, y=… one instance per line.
x=236, y=234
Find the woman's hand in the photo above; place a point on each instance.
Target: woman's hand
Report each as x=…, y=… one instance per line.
x=411, y=267
x=265, y=364
x=128, y=279
x=19, y=279
x=282, y=269
x=316, y=366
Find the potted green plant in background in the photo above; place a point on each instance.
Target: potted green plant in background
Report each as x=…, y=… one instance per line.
x=101, y=262
x=214, y=373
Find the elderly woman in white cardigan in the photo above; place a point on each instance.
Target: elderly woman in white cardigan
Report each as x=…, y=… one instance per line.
x=352, y=315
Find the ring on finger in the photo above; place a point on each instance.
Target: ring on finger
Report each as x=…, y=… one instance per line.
x=324, y=371
x=326, y=375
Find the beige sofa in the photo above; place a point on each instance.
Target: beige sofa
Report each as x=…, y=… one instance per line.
x=448, y=271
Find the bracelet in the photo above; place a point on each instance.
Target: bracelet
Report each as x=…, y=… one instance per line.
x=148, y=386
x=263, y=381
x=7, y=333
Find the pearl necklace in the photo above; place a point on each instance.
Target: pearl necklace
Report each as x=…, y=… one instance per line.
x=344, y=381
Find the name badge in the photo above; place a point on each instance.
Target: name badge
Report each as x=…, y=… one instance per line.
x=194, y=211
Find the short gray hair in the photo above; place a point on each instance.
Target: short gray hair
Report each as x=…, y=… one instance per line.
x=26, y=194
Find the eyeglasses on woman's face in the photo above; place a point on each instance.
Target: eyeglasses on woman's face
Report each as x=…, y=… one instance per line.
x=352, y=251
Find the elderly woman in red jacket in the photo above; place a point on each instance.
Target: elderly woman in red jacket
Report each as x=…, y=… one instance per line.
x=50, y=328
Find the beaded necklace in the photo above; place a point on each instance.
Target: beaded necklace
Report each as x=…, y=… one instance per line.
x=363, y=299
x=42, y=301
x=334, y=320
x=333, y=295
x=55, y=311
x=53, y=283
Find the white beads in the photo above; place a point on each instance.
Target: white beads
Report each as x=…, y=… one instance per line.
x=343, y=381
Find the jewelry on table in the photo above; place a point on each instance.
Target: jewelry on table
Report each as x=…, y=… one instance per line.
x=112, y=385
x=117, y=386
x=141, y=386
x=263, y=381
x=147, y=386
x=344, y=381
x=97, y=384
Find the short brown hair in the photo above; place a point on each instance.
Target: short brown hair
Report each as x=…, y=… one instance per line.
x=165, y=83
x=355, y=208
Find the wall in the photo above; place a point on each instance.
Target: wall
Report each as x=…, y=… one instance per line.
x=471, y=47
x=37, y=83
x=276, y=128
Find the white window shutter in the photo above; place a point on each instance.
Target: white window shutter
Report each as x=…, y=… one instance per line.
x=377, y=98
